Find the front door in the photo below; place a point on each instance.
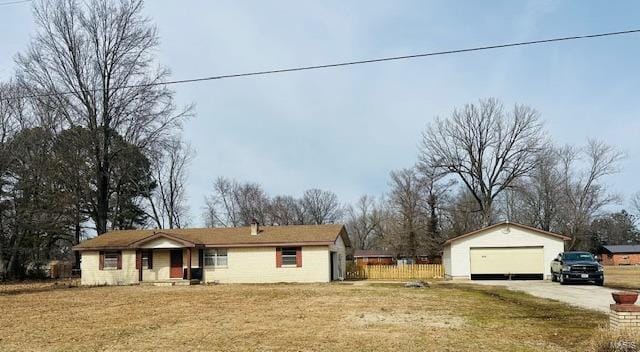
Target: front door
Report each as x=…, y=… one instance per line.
x=176, y=271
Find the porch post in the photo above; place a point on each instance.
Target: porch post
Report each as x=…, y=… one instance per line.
x=139, y=260
x=189, y=261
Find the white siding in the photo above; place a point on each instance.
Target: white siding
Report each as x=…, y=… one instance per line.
x=92, y=275
x=501, y=236
x=258, y=265
x=161, y=243
x=340, y=267
x=446, y=260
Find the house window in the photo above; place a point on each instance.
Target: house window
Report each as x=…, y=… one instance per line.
x=289, y=256
x=146, y=260
x=215, y=257
x=111, y=260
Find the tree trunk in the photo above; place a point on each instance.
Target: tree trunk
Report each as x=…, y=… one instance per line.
x=12, y=265
x=104, y=170
x=103, y=201
x=77, y=241
x=486, y=213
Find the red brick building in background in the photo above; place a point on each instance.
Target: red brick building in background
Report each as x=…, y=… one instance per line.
x=620, y=255
x=373, y=257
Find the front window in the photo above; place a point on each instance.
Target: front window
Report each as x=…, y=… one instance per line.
x=579, y=256
x=111, y=260
x=215, y=257
x=145, y=259
x=289, y=256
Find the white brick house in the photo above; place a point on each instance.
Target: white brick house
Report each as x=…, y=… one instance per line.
x=304, y=253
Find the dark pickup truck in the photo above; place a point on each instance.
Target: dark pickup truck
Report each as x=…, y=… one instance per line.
x=576, y=267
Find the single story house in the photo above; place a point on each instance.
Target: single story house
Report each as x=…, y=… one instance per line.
x=620, y=254
x=503, y=250
x=373, y=257
x=252, y=254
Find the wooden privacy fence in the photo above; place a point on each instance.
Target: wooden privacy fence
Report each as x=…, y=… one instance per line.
x=395, y=272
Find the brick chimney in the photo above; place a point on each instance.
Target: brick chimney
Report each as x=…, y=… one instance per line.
x=255, y=227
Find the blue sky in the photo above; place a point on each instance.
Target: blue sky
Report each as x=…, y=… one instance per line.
x=344, y=129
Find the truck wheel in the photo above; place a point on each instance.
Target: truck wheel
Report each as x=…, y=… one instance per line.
x=600, y=282
x=562, y=280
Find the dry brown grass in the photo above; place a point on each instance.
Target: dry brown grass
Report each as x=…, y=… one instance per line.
x=624, y=277
x=616, y=341
x=381, y=317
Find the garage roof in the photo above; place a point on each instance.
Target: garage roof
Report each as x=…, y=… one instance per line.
x=504, y=223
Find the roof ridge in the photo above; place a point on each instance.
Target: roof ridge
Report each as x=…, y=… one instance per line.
x=508, y=223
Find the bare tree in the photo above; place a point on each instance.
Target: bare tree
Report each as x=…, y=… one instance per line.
x=221, y=208
x=584, y=194
x=406, y=203
x=435, y=190
x=286, y=210
x=94, y=61
x=167, y=201
x=321, y=207
x=235, y=204
x=534, y=200
x=485, y=147
x=635, y=204
x=252, y=203
x=365, y=222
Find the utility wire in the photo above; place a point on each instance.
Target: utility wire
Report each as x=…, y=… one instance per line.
x=349, y=63
x=13, y=2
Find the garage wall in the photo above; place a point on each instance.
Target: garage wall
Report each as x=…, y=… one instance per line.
x=502, y=236
x=340, y=268
x=446, y=260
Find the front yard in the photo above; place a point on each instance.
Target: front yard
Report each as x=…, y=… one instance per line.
x=337, y=317
x=623, y=277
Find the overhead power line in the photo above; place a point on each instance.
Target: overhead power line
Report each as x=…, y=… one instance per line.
x=13, y=2
x=348, y=63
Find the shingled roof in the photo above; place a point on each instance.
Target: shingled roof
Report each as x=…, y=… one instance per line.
x=222, y=237
x=508, y=223
x=622, y=248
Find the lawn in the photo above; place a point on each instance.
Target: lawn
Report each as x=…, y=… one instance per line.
x=624, y=277
x=336, y=317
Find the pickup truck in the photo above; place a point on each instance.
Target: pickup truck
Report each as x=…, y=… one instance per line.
x=576, y=267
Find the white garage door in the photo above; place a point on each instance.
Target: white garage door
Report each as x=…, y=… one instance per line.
x=512, y=260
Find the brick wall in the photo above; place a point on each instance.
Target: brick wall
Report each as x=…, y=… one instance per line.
x=624, y=316
x=621, y=259
x=92, y=275
x=258, y=265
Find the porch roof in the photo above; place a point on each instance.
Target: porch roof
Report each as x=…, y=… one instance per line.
x=298, y=235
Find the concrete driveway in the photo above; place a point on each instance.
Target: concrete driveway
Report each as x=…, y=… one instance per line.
x=580, y=295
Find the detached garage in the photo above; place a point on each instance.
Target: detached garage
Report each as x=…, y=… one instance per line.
x=504, y=250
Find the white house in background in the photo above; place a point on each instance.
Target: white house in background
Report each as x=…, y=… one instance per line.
x=502, y=250
x=252, y=254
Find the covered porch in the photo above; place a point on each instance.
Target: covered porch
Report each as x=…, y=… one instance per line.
x=165, y=260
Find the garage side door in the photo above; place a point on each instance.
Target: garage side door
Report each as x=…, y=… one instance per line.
x=514, y=260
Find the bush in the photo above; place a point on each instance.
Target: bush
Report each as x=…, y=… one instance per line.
x=608, y=340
